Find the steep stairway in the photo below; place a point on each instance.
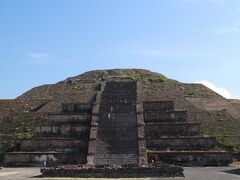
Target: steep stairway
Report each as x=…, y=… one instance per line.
x=61, y=139
x=117, y=137
x=172, y=139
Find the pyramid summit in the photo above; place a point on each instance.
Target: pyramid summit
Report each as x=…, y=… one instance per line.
x=132, y=118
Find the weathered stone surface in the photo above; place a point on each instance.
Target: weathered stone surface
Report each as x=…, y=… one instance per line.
x=170, y=138
x=163, y=170
x=158, y=105
x=181, y=144
x=117, y=135
x=193, y=158
x=117, y=128
x=28, y=159
x=161, y=130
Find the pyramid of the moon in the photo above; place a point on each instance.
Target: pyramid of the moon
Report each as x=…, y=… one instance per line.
x=121, y=117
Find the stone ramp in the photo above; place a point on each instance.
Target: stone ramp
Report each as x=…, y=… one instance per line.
x=172, y=139
x=117, y=138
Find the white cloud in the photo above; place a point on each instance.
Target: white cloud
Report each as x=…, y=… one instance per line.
x=228, y=30
x=37, y=58
x=223, y=92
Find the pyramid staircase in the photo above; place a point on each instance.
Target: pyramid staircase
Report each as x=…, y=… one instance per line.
x=172, y=139
x=62, y=139
x=118, y=128
x=117, y=135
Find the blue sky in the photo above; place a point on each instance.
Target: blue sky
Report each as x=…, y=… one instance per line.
x=46, y=41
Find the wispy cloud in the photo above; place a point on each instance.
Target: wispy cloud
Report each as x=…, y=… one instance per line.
x=220, y=90
x=37, y=58
x=228, y=30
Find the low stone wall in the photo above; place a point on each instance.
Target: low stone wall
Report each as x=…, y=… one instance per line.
x=26, y=159
x=62, y=130
x=166, y=116
x=186, y=143
x=83, y=118
x=73, y=108
x=59, y=145
x=158, y=130
x=158, y=105
x=163, y=170
x=196, y=158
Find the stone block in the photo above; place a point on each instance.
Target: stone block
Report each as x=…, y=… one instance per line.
x=38, y=129
x=90, y=159
x=46, y=129
x=140, y=120
x=94, y=120
x=139, y=108
x=142, y=160
x=56, y=129
x=168, y=116
x=158, y=105
x=93, y=133
x=142, y=147
x=181, y=144
x=98, y=97
x=91, y=147
x=66, y=129
x=95, y=109
x=141, y=132
x=80, y=129
x=193, y=158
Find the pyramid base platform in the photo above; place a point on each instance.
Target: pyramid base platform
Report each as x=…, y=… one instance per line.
x=114, y=171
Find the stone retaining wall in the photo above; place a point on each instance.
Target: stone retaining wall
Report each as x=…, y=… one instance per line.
x=163, y=170
x=158, y=105
x=186, y=143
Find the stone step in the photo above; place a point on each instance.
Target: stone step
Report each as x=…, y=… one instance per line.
x=131, y=101
x=120, y=159
x=172, y=130
x=192, y=158
x=120, y=87
x=38, y=159
x=112, y=146
x=58, y=145
x=116, y=123
x=158, y=105
x=126, y=110
x=165, y=116
x=60, y=136
x=58, y=119
x=75, y=108
x=110, y=95
x=77, y=129
x=180, y=144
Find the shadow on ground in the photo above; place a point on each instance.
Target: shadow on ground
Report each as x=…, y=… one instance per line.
x=233, y=171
